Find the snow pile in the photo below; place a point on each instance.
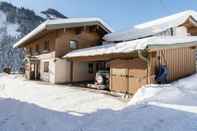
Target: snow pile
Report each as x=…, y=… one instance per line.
x=170, y=92
x=130, y=46
x=147, y=92
x=184, y=88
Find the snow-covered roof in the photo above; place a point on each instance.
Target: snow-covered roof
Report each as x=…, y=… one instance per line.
x=130, y=46
x=63, y=23
x=152, y=27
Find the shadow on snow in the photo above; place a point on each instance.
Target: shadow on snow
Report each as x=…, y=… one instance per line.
x=23, y=116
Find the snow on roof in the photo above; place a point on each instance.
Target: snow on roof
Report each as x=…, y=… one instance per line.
x=152, y=27
x=130, y=46
x=63, y=23
x=69, y=22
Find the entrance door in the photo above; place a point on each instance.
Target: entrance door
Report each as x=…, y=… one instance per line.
x=34, y=71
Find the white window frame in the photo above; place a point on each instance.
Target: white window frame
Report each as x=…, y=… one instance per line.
x=46, y=69
x=73, y=44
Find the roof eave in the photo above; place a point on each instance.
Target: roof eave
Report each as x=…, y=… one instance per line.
x=29, y=36
x=177, y=45
x=71, y=25
x=48, y=26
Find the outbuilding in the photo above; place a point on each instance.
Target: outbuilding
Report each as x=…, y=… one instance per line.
x=159, y=51
x=136, y=63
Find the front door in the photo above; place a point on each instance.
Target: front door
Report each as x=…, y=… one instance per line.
x=34, y=71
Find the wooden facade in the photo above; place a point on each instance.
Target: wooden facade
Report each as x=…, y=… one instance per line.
x=127, y=76
x=59, y=41
x=86, y=38
x=128, y=72
x=37, y=47
x=58, y=44
x=180, y=61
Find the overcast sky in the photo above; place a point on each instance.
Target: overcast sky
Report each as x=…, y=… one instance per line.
x=120, y=14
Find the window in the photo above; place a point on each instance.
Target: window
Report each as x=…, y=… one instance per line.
x=46, y=67
x=90, y=68
x=46, y=45
x=73, y=44
x=99, y=43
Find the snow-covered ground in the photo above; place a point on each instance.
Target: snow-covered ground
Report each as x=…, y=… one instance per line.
x=37, y=106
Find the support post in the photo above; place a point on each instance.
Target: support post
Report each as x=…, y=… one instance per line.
x=71, y=71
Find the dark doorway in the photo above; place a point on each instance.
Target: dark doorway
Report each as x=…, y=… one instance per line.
x=34, y=71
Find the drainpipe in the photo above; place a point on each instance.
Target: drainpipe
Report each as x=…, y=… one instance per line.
x=147, y=62
x=142, y=57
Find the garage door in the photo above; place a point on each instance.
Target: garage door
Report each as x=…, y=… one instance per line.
x=127, y=76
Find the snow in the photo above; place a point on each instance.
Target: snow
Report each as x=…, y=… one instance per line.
x=30, y=106
x=168, y=107
x=172, y=20
x=179, y=92
x=11, y=29
x=3, y=18
x=33, y=33
x=130, y=46
x=46, y=95
x=33, y=106
x=63, y=23
x=153, y=27
x=146, y=92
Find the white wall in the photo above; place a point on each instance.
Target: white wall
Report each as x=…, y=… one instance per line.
x=59, y=71
x=50, y=76
x=47, y=76
x=80, y=72
x=62, y=71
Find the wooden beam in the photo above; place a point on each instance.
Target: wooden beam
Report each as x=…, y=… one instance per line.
x=157, y=48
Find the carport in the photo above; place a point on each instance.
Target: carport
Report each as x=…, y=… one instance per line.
x=136, y=63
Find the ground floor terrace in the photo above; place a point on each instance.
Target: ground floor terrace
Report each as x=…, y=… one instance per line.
x=62, y=71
